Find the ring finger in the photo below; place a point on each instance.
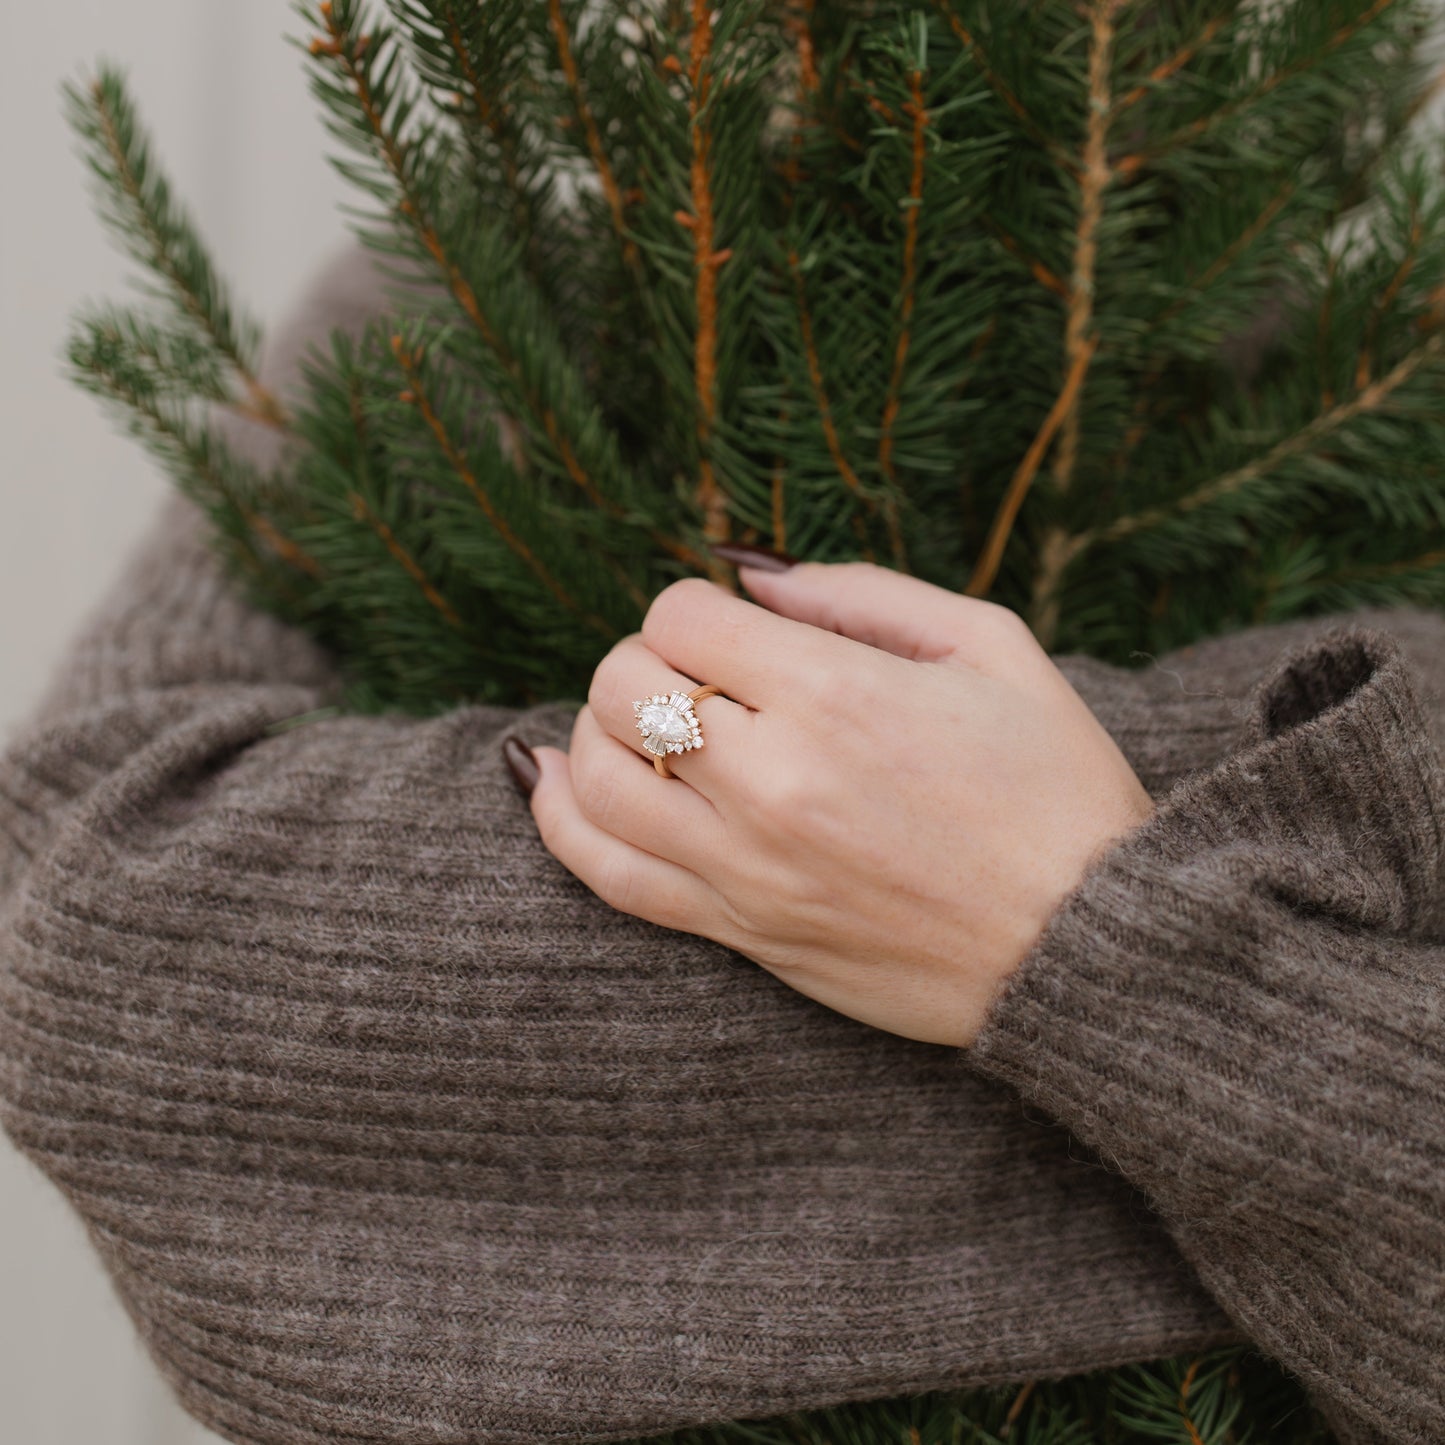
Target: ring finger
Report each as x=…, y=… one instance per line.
x=616, y=793
x=632, y=672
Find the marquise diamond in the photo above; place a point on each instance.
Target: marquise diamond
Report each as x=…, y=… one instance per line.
x=667, y=724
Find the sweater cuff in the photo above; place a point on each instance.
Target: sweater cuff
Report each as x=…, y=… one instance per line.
x=1191, y=1007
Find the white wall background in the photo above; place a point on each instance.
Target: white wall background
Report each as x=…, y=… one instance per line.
x=225, y=99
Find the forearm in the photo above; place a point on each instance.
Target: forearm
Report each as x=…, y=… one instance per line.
x=1241, y=1008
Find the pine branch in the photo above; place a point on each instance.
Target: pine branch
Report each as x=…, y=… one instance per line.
x=348, y=52
x=157, y=232
x=1231, y=253
x=418, y=395
x=203, y=467
x=1365, y=366
x=840, y=460
x=1166, y=70
x=1197, y=129
x=986, y=568
x=610, y=189
x=1046, y=278
x=1000, y=86
x=711, y=502
x=438, y=20
x=918, y=114
x=1302, y=441
x=1095, y=177
x=404, y=559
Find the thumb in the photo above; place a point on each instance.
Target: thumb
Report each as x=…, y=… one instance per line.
x=885, y=609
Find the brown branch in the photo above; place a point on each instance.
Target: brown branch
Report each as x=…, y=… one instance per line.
x=262, y=525
x=1322, y=334
x=416, y=394
x=986, y=568
x=410, y=206
x=1129, y=165
x=1422, y=563
x=918, y=113
x=825, y=410
x=1080, y=339
x=1017, y=1408
x=288, y=550
x=408, y=563
x=492, y=118
x=710, y=499
x=610, y=188
x=1365, y=366
x=1000, y=86
x=1368, y=400
x=1095, y=177
x=1049, y=280
x=1233, y=251
x=820, y=390
x=1194, y=1436
x=264, y=406
x=1167, y=69
x=779, y=499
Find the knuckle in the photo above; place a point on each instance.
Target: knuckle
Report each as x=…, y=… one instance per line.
x=831, y=695
x=604, y=692
x=673, y=605
x=597, y=795
x=616, y=883
x=1001, y=623
x=794, y=806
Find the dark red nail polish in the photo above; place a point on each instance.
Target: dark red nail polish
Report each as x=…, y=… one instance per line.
x=522, y=763
x=744, y=554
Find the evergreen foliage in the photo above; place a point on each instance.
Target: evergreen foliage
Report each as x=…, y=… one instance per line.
x=1129, y=314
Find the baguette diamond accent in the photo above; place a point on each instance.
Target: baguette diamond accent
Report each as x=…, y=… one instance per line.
x=667, y=723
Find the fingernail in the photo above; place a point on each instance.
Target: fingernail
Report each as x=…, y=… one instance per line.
x=743, y=554
x=522, y=763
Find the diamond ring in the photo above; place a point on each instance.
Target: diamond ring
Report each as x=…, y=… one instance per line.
x=668, y=724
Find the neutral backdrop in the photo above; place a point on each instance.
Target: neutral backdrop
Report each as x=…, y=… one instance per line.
x=225, y=98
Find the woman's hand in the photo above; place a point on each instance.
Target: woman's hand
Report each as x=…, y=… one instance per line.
x=897, y=789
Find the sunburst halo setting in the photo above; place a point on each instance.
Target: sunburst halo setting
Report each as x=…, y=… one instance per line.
x=667, y=723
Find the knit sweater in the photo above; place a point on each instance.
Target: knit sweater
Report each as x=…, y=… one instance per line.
x=387, y=1130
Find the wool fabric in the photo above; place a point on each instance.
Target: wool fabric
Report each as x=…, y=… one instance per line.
x=387, y=1130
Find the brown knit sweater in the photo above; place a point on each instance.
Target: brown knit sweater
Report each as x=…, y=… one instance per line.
x=388, y=1130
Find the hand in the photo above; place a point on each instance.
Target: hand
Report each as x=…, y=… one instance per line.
x=895, y=793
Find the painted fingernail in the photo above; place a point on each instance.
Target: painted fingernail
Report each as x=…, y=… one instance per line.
x=521, y=763
x=743, y=554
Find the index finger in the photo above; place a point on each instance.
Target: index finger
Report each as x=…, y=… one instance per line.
x=753, y=655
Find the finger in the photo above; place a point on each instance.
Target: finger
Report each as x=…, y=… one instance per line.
x=897, y=613
x=626, y=877
x=756, y=656
x=633, y=672
x=619, y=793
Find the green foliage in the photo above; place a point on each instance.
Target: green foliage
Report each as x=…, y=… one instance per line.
x=1130, y=315
x=1230, y=1397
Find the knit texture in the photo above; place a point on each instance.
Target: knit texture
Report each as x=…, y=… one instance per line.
x=389, y=1131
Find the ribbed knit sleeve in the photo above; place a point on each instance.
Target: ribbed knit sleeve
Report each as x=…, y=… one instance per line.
x=1241, y=1008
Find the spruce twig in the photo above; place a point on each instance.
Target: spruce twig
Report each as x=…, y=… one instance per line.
x=711, y=502
x=1095, y=176
x=917, y=114
x=404, y=559
x=1197, y=129
x=418, y=395
x=159, y=233
x=1299, y=442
